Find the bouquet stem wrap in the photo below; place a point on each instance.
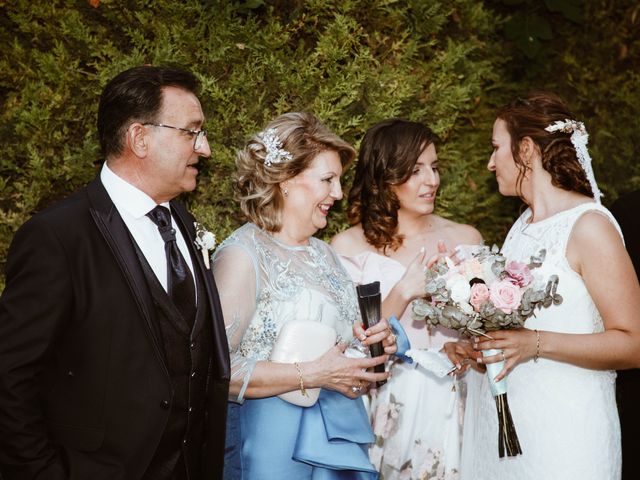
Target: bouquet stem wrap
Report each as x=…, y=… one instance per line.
x=507, y=437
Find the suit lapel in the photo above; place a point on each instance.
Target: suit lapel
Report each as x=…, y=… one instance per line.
x=220, y=346
x=116, y=234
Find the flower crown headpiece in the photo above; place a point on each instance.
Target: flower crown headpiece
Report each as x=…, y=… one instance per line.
x=275, y=152
x=579, y=139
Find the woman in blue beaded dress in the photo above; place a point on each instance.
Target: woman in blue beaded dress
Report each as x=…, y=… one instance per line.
x=271, y=272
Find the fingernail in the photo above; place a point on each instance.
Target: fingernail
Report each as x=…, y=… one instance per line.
x=458, y=366
x=479, y=360
x=363, y=337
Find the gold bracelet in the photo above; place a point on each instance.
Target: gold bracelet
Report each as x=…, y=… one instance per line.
x=537, y=355
x=302, y=389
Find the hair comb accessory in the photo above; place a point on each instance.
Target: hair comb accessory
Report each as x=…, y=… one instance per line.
x=579, y=139
x=275, y=152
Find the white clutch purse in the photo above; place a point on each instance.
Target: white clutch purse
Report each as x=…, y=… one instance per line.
x=302, y=341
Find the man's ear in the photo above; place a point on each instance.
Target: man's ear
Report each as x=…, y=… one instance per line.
x=137, y=140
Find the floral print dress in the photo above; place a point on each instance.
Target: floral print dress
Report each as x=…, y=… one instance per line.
x=416, y=416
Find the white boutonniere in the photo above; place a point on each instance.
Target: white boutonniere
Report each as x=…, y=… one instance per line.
x=205, y=241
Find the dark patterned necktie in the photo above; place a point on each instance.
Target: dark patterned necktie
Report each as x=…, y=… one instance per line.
x=181, y=288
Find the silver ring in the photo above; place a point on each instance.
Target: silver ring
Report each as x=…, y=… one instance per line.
x=393, y=338
x=504, y=359
x=355, y=389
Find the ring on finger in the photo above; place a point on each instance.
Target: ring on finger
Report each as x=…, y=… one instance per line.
x=356, y=388
x=503, y=357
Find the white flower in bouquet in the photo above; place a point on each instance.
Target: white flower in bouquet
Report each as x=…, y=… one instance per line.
x=459, y=288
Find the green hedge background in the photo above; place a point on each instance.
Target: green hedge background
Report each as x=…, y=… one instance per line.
x=447, y=63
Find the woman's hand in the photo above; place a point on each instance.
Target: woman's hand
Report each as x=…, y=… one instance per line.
x=380, y=332
x=349, y=376
x=517, y=346
x=442, y=253
x=463, y=356
x=411, y=285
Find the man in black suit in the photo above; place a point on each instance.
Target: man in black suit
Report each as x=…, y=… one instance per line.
x=626, y=210
x=113, y=355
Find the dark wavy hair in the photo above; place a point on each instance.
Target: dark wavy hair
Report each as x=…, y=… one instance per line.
x=135, y=95
x=388, y=154
x=528, y=117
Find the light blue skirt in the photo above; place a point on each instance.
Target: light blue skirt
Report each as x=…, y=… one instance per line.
x=272, y=439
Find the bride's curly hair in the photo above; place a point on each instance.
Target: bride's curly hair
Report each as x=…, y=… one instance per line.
x=258, y=185
x=388, y=154
x=528, y=117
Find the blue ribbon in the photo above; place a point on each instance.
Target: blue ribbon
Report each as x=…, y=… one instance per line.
x=402, y=341
x=335, y=434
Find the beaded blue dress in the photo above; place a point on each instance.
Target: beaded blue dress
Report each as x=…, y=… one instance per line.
x=264, y=284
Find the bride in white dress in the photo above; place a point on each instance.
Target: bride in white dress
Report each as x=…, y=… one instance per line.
x=561, y=365
x=417, y=414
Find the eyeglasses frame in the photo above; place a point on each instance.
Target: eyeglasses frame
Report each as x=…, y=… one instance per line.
x=199, y=134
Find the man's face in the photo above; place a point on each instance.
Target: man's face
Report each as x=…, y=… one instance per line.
x=170, y=166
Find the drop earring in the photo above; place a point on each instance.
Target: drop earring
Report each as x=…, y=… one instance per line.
x=285, y=192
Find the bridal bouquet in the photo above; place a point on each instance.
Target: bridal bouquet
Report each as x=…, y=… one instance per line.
x=481, y=293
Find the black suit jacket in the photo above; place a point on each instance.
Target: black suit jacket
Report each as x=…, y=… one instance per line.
x=627, y=211
x=83, y=384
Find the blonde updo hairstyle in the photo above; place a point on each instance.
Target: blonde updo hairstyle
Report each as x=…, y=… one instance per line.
x=258, y=185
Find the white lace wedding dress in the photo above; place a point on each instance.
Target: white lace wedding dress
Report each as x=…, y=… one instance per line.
x=565, y=416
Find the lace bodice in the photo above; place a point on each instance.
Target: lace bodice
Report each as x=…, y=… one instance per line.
x=565, y=415
x=577, y=313
x=264, y=283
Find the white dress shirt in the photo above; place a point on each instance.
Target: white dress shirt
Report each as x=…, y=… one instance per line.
x=133, y=205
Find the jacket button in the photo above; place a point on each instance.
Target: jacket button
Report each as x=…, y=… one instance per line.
x=164, y=404
x=193, y=345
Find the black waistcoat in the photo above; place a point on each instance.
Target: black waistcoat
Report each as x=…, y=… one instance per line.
x=188, y=361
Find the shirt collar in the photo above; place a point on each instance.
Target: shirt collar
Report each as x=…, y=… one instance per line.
x=125, y=196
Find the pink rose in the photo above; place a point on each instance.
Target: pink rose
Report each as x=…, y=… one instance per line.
x=479, y=295
x=505, y=295
x=520, y=273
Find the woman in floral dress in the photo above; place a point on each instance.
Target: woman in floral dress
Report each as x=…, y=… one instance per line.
x=416, y=415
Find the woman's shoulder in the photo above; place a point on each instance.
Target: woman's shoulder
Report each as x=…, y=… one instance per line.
x=351, y=242
x=243, y=239
x=594, y=224
x=462, y=233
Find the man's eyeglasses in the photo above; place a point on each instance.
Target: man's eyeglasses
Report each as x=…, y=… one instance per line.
x=199, y=135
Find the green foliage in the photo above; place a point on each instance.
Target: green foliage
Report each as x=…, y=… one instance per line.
x=529, y=28
x=595, y=66
x=351, y=62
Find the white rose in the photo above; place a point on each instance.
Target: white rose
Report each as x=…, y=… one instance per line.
x=459, y=288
